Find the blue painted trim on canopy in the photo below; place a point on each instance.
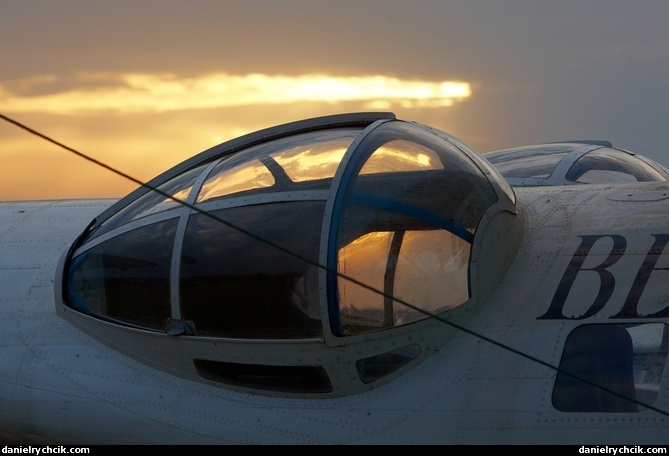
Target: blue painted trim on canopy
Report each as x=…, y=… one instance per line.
x=413, y=211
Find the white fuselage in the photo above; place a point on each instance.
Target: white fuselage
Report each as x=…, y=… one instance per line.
x=60, y=385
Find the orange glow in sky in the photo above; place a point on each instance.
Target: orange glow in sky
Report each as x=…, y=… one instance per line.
x=143, y=124
x=142, y=88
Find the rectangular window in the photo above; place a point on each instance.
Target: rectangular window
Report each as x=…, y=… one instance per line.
x=611, y=368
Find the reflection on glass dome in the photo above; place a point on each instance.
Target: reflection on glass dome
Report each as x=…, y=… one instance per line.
x=571, y=163
x=326, y=225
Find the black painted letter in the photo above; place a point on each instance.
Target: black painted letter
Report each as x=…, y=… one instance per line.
x=607, y=281
x=630, y=310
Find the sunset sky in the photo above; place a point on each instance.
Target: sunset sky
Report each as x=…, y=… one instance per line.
x=142, y=85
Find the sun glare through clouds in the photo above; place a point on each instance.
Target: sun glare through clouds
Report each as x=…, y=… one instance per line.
x=165, y=92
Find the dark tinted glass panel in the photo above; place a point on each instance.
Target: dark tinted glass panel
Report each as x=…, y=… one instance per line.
x=376, y=367
x=237, y=285
x=127, y=277
x=611, y=368
x=289, y=379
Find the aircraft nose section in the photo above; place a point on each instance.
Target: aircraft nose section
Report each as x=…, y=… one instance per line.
x=322, y=230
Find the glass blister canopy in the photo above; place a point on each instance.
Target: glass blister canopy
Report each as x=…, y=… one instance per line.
x=330, y=225
x=572, y=163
